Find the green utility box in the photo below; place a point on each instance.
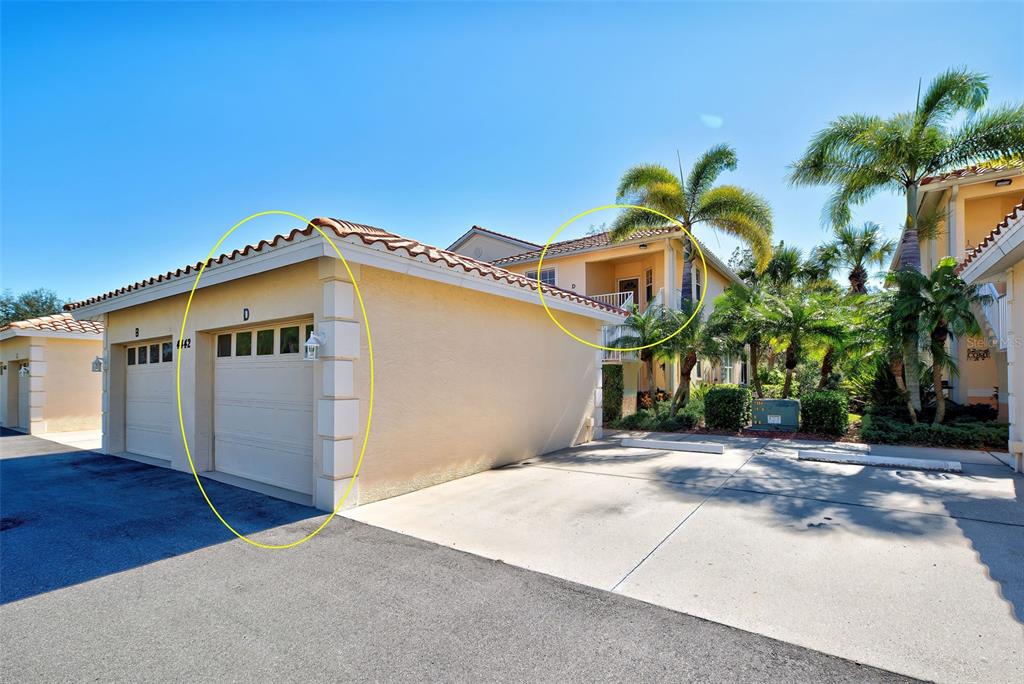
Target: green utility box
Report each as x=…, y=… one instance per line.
x=776, y=414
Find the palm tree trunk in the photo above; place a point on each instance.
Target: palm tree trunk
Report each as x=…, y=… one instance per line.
x=896, y=366
x=682, y=395
x=910, y=257
x=940, y=399
x=755, y=380
x=827, y=364
x=687, y=282
x=858, y=279
x=790, y=365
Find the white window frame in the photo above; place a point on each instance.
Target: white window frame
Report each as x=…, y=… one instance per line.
x=727, y=369
x=532, y=275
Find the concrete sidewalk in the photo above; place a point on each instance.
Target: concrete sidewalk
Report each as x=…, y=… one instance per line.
x=915, y=572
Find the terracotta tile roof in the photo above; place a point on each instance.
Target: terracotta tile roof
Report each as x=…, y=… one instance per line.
x=64, y=323
x=1018, y=212
x=970, y=171
x=588, y=242
x=370, y=236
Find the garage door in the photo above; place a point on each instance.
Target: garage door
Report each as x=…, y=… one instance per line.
x=24, y=399
x=151, y=413
x=263, y=406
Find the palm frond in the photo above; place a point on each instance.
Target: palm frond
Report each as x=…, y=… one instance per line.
x=706, y=170
x=951, y=91
x=631, y=221
x=834, y=151
x=636, y=181
x=989, y=136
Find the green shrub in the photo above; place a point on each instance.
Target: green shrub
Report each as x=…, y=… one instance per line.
x=611, y=389
x=881, y=429
x=727, y=407
x=772, y=391
x=824, y=412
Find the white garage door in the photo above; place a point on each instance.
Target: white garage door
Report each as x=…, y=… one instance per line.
x=24, y=396
x=151, y=411
x=263, y=406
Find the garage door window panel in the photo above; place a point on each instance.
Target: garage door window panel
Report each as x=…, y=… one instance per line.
x=142, y=355
x=243, y=343
x=290, y=340
x=223, y=345
x=154, y=353
x=131, y=356
x=264, y=342
x=166, y=354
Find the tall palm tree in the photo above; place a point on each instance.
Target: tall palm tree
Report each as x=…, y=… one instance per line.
x=799, y=320
x=693, y=201
x=941, y=302
x=738, y=316
x=862, y=155
x=855, y=249
x=644, y=330
x=691, y=343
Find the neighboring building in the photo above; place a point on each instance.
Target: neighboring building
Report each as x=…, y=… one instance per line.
x=47, y=383
x=972, y=201
x=469, y=373
x=486, y=245
x=647, y=268
x=998, y=262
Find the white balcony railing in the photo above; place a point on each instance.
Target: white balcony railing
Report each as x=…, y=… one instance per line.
x=620, y=300
x=995, y=315
x=612, y=334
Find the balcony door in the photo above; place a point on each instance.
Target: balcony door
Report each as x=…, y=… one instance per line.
x=631, y=285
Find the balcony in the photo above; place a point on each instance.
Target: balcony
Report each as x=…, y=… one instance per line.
x=620, y=300
x=994, y=316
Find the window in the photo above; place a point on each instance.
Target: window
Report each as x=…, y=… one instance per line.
x=131, y=356
x=223, y=345
x=264, y=342
x=154, y=353
x=727, y=369
x=243, y=343
x=547, y=276
x=166, y=353
x=698, y=281
x=142, y=355
x=290, y=340
x=649, y=285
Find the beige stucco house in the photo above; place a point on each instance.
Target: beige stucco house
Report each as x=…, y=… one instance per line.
x=971, y=201
x=47, y=383
x=648, y=268
x=998, y=262
x=469, y=372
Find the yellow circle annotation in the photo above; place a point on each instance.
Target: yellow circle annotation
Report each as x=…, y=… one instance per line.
x=369, y=412
x=551, y=315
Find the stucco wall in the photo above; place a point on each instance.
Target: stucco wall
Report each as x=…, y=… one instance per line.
x=465, y=381
x=74, y=392
x=487, y=248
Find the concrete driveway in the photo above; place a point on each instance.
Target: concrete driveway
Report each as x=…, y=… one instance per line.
x=117, y=571
x=918, y=573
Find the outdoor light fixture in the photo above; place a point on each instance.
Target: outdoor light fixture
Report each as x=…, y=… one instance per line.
x=642, y=245
x=1004, y=182
x=24, y=371
x=97, y=364
x=313, y=345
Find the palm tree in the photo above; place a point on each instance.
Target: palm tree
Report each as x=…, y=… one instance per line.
x=738, y=316
x=799, y=320
x=855, y=249
x=941, y=303
x=862, y=155
x=786, y=269
x=691, y=343
x=644, y=330
x=693, y=201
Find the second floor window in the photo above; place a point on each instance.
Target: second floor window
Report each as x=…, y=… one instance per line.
x=547, y=276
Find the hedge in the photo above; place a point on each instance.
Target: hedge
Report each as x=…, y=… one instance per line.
x=659, y=420
x=727, y=407
x=969, y=435
x=611, y=391
x=824, y=412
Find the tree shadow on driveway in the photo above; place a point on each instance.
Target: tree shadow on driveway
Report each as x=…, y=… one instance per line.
x=71, y=516
x=984, y=506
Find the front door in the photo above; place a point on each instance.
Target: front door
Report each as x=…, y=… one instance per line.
x=631, y=285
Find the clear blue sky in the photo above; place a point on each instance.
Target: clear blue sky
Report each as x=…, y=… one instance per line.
x=134, y=134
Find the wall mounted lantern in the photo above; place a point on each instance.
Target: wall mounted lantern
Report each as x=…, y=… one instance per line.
x=24, y=371
x=313, y=345
x=97, y=364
